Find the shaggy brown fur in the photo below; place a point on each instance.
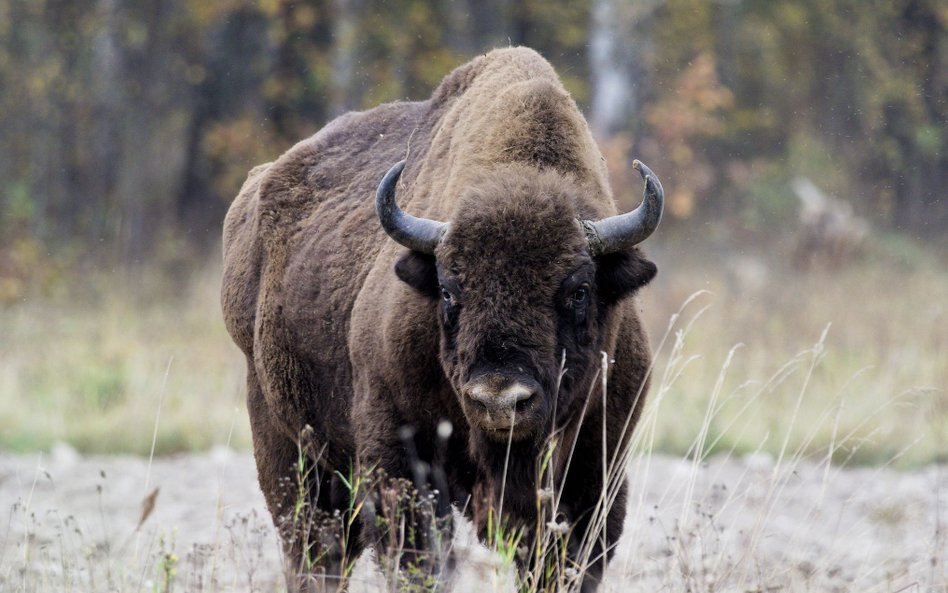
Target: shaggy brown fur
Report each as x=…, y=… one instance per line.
x=348, y=333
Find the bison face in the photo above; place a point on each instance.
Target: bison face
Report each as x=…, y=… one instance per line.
x=519, y=299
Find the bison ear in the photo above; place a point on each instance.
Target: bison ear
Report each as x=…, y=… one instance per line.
x=419, y=271
x=622, y=273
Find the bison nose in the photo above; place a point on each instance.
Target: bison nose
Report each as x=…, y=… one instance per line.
x=500, y=394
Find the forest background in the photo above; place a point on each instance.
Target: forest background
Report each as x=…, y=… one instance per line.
x=127, y=126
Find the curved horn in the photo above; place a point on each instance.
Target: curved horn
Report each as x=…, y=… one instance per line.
x=417, y=234
x=625, y=230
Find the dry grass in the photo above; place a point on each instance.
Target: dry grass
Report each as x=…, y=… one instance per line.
x=81, y=525
x=94, y=372
x=880, y=382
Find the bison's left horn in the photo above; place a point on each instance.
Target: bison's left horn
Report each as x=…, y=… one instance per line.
x=417, y=234
x=625, y=230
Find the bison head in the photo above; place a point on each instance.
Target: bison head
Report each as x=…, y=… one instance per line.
x=525, y=287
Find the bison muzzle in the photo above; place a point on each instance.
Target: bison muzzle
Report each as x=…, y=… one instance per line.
x=442, y=345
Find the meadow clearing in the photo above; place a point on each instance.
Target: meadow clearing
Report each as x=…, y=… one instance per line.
x=795, y=438
x=851, y=360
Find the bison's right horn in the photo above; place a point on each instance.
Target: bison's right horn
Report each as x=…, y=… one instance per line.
x=417, y=234
x=625, y=230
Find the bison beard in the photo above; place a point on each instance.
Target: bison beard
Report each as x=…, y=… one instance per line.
x=393, y=383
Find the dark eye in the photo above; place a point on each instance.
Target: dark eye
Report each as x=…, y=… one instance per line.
x=580, y=296
x=447, y=296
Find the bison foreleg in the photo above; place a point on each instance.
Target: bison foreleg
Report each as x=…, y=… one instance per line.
x=408, y=521
x=560, y=541
x=593, y=540
x=309, y=505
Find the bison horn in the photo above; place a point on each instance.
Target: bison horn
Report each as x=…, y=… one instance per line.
x=625, y=230
x=417, y=234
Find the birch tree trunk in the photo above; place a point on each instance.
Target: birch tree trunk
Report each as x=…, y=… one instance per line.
x=345, y=50
x=620, y=53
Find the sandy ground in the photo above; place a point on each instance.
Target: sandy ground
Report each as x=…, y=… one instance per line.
x=68, y=523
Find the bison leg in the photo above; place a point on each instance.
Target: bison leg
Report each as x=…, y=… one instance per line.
x=309, y=505
x=331, y=540
x=407, y=519
x=563, y=549
x=603, y=542
x=587, y=548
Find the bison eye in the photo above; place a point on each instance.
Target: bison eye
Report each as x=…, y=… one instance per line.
x=447, y=296
x=580, y=296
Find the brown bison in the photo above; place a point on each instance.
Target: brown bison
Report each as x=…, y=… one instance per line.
x=461, y=350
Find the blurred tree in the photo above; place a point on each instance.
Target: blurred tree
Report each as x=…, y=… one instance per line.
x=867, y=80
x=621, y=55
x=127, y=125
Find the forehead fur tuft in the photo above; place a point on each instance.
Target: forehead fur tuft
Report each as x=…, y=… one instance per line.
x=517, y=216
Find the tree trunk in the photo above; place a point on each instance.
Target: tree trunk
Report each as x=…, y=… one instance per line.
x=344, y=94
x=620, y=54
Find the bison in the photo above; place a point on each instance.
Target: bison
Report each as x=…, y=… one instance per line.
x=456, y=342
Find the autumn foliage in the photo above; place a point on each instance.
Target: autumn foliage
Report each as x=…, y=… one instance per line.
x=126, y=126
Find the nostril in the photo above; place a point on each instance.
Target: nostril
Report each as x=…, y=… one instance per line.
x=508, y=397
x=515, y=394
x=481, y=394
